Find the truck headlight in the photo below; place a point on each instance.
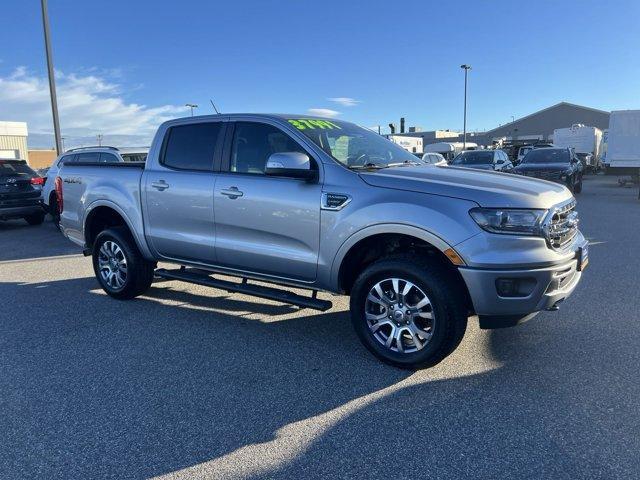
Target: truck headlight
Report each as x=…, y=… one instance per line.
x=513, y=221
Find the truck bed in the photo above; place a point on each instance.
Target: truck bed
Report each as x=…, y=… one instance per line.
x=89, y=185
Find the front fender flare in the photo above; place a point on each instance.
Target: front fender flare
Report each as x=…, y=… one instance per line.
x=382, y=228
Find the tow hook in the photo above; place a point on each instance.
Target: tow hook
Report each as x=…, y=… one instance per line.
x=555, y=307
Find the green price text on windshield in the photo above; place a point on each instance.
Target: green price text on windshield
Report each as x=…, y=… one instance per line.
x=311, y=124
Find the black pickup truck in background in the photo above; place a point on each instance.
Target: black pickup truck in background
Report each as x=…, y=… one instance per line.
x=20, y=192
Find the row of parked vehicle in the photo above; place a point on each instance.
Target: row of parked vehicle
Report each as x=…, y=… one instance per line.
x=560, y=165
x=30, y=195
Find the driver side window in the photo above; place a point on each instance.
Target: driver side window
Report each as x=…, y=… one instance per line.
x=254, y=143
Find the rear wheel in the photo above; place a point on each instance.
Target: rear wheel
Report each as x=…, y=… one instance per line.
x=53, y=211
x=35, y=218
x=119, y=266
x=407, y=311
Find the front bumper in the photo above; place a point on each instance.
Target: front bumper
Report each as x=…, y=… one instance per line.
x=546, y=288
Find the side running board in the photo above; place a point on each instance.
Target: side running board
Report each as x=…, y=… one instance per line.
x=201, y=277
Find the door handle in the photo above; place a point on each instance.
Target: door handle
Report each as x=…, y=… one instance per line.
x=161, y=185
x=232, y=192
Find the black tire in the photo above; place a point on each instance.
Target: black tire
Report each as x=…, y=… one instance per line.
x=35, y=218
x=448, y=305
x=53, y=211
x=577, y=188
x=139, y=274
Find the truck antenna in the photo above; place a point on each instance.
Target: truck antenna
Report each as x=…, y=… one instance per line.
x=214, y=107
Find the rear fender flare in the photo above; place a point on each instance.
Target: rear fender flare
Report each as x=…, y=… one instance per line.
x=135, y=231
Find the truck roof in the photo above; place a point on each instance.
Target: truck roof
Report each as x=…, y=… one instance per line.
x=270, y=116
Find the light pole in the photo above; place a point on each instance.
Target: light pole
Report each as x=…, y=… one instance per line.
x=466, y=69
x=191, y=106
x=52, y=82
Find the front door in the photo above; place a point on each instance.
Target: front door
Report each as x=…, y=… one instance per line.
x=179, y=219
x=264, y=224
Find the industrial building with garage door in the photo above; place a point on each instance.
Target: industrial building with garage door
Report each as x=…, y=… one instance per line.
x=538, y=126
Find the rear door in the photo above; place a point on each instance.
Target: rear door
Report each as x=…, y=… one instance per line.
x=265, y=224
x=179, y=222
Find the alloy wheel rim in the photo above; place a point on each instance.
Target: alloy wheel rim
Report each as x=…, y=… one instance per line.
x=399, y=315
x=112, y=265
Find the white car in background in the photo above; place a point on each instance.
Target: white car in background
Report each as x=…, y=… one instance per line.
x=85, y=155
x=434, y=158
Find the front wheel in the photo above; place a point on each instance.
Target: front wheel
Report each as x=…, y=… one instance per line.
x=407, y=311
x=120, y=268
x=577, y=188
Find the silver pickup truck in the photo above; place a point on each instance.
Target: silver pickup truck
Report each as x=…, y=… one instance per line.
x=317, y=204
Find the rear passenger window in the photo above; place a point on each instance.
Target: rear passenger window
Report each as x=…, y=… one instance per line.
x=253, y=144
x=88, y=157
x=108, y=158
x=191, y=147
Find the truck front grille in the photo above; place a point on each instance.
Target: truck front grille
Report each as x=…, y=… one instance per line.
x=561, y=225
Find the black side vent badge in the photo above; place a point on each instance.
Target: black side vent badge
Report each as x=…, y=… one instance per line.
x=335, y=201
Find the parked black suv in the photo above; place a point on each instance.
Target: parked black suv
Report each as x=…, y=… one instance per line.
x=20, y=192
x=559, y=165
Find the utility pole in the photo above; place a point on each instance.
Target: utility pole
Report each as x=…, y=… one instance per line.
x=52, y=82
x=466, y=69
x=191, y=106
x=99, y=138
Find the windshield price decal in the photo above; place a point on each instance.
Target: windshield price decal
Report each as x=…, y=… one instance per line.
x=311, y=124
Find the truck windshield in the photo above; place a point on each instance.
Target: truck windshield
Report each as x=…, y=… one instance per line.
x=354, y=147
x=474, y=157
x=547, y=155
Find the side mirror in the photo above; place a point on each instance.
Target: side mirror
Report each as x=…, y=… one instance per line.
x=290, y=164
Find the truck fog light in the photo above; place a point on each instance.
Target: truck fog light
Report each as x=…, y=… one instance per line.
x=515, y=287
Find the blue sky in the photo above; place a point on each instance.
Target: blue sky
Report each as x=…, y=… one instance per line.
x=138, y=62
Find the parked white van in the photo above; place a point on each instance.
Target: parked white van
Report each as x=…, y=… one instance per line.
x=448, y=149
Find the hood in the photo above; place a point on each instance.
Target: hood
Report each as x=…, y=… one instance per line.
x=486, y=188
x=543, y=167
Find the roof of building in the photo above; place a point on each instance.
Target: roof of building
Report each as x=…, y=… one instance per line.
x=517, y=120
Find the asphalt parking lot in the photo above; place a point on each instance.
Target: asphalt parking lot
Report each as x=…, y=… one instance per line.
x=189, y=381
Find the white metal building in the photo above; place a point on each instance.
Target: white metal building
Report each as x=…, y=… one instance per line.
x=13, y=140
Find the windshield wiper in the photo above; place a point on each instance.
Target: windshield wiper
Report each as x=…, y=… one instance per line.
x=406, y=163
x=368, y=166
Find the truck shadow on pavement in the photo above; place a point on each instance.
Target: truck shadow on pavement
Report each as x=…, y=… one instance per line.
x=93, y=387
